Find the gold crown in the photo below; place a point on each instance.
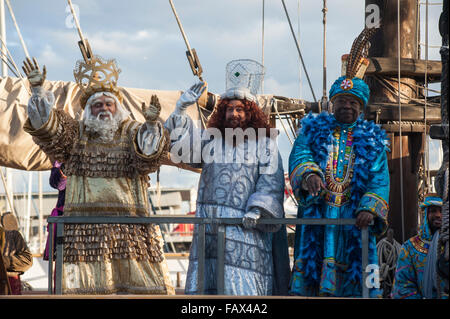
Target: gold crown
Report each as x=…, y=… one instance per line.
x=96, y=75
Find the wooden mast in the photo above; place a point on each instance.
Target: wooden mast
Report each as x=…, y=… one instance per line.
x=382, y=78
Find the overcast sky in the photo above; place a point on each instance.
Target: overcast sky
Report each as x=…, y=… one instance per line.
x=145, y=39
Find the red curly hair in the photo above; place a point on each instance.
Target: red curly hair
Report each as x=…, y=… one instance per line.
x=255, y=117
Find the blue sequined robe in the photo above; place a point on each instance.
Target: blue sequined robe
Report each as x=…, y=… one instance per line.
x=256, y=260
x=408, y=280
x=351, y=159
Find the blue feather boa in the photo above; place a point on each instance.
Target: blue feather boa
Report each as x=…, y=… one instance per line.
x=369, y=140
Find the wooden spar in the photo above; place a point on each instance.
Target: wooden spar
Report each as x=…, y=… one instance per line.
x=413, y=68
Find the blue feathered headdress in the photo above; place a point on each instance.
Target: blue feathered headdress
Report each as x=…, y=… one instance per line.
x=355, y=87
x=354, y=66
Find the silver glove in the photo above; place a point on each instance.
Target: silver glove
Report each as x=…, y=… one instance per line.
x=250, y=219
x=190, y=96
x=33, y=72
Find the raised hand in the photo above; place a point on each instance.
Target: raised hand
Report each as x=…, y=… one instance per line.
x=191, y=96
x=33, y=72
x=151, y=112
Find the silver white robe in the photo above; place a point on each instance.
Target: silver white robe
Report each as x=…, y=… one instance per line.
x=231, y=190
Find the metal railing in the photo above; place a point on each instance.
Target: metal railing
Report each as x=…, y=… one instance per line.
x=164, y=219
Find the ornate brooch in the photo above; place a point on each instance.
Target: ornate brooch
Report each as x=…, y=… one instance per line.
x=347, y=84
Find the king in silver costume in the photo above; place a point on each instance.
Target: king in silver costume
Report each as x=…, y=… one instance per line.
x=238, y=182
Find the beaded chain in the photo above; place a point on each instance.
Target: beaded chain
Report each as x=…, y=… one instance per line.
x=334, y=183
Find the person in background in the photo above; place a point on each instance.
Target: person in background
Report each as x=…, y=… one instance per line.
x=416, y=276
x=58, y=181
x=16, y=255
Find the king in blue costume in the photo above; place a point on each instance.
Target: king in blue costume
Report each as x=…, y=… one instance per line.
x=415, y=277
x=351, y=161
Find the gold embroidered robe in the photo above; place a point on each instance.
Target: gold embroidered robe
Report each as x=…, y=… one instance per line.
x=106, y=180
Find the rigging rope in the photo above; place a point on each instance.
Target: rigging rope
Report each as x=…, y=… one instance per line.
x=7, y=62
x=77, y=23
x=299, y=52
x=400, y=123
x=388, y=250
x=298, y=33
x=10, y=59
x=324, y=92
x=192, y=56
x=274, y=103
x=388, y=86
x=180, y=26
x=17, y=29
x=426, y=149
x=262, y=45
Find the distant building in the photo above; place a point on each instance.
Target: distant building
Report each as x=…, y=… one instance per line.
x=173, y=201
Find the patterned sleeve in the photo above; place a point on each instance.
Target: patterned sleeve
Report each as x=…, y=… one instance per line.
x=405, y=281
x=147, y=164
x=302, y=164
x=376, y=198
x=186, y=142
x=56, y=137
x=269, y=190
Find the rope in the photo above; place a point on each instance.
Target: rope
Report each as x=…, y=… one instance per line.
x=400, y=123
x=11, y=60
x=298, y=33
x=200, y=113
x=444, y=231
x=262, y=41
x=274, y=103
x=389, y=87
x=7, y=62
x=291, y=126
x=324, y=10
x=77, y=23
x=426, y=174
x=8, y=195
x=17, y=29
x=184, y=35
x=299, y=52
x=388, y=251
x=181, y=27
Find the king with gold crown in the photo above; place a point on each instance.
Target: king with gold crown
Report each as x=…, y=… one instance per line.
x=107, y=158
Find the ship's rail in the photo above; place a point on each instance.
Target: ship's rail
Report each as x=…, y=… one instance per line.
x=55, y=281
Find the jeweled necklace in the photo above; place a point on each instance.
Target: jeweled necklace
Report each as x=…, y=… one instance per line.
x=336, y=184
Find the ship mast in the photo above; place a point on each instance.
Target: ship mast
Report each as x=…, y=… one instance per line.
x=398, y=81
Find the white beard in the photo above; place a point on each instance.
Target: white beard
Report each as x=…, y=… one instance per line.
x=103, y=129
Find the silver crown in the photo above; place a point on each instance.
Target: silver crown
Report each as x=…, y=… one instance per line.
x=244, y=73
